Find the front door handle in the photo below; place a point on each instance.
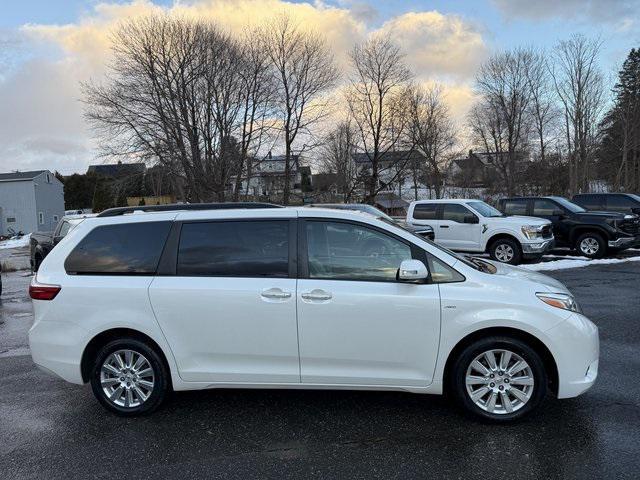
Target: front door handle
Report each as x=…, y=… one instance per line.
x=444, y=226
x=316, y=295
x=275, y=293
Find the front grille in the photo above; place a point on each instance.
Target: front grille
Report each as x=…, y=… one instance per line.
x=547, y=232
x=632, y=227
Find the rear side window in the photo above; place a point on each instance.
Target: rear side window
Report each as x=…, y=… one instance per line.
x=425, y=211
x=515, y=207
x=122, y=249
x=234, y=249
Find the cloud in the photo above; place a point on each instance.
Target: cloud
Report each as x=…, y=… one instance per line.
x=437, y=44
x=41, y=123
x=610, y=11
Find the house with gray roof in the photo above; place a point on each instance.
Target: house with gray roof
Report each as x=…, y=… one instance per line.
x=30, y=201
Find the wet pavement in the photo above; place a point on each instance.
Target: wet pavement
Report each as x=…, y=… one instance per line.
x=51, y=429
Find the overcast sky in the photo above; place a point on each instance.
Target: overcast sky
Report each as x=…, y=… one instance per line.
x=47, y=47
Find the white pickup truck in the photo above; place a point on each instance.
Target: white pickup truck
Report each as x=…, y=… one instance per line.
x=467, y=225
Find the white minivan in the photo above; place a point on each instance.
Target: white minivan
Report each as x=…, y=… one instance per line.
x=143, y=303
x=466, y=225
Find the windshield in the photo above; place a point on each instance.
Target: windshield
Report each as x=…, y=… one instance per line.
x=371, y=211
x=635, y=197
x=572, y=207
x=485, y=209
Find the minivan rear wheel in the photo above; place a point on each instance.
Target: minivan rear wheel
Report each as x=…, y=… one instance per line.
x=499, y=379
x=129, y=377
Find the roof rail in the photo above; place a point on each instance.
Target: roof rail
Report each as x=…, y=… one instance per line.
x=114, y=212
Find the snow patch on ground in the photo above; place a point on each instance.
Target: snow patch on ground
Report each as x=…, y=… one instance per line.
x=576, y=262
x=16, y=243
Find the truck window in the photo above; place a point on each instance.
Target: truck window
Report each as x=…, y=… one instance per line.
x=425, y=211
x=515, y=207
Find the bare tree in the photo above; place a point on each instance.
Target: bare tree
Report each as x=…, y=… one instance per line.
x=338, y=150
x=542, y=108
x=305, y=69
x=499, y=121
x=182, y=94
x=580, y=87
x=377, y=103
x=432, y=133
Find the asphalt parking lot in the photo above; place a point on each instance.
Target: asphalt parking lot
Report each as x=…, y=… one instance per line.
x=51, y=429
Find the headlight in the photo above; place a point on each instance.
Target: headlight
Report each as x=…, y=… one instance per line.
x=560, y=300
x=531, y=231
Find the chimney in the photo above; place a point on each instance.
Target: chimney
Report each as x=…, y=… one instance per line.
x=269, y=155
x=470, y=153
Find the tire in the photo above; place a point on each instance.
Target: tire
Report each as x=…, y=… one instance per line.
x=506, y=250
x=526, y=401
x=147, y=389
x=591, y=245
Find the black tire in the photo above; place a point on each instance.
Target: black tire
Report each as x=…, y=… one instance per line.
x=161, y=377
x=509, y=245
x=458, y=386
x=591, y=237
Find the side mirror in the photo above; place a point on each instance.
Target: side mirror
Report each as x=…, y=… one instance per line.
x=57, y=239
x=412, y=271
x=471, y=218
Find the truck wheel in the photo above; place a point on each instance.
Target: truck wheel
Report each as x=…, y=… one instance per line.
x=506, y=250
x=591, y=245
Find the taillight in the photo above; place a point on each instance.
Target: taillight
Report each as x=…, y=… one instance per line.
x=42, y=291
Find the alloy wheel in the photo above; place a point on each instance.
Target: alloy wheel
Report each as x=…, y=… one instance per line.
x=127, y=378
x=499, y=381
x=589, y=246
x=504, y=253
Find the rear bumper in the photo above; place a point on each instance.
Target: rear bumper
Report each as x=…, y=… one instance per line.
x=56, y=347
x=576, y=352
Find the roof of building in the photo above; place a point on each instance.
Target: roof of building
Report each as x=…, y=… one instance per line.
x=396, y=156
x=117, y=169
x=17, y=176
x=390, y=200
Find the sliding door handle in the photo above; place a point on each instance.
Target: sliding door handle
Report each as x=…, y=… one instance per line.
x=316, y=295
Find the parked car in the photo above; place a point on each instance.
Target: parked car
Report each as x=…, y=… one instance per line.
x=610, y=202
x=473, y=226
x=138, y=304
x=41, y=243
x=592, y=234
x=425, y=231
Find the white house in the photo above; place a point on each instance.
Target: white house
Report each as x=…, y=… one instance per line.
x=30, y=201
x=267, y=177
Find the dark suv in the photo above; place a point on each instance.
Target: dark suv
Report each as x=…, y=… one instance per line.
x=610, y=202
x=591, y=233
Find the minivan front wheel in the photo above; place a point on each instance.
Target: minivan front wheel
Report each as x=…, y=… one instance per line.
x=129, y=377
x=499, y=379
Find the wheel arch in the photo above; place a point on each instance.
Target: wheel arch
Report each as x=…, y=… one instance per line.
x=497, y=236
x=531, y=340
x=582, y=229
x=101, y=339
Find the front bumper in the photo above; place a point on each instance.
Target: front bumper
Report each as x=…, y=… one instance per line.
x=624, y=242
x=576, y=349
x=537, y=248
